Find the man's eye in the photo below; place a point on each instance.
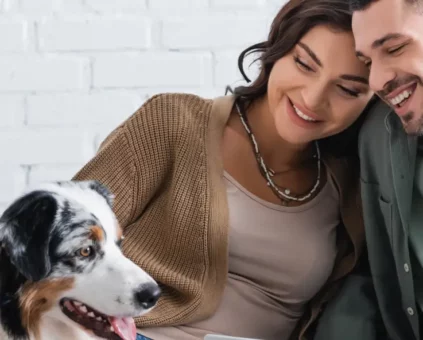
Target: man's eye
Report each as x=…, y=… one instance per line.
x=395, y=49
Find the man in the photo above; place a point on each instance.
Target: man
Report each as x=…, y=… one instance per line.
x=389, y=304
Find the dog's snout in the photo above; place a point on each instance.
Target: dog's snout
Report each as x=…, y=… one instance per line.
x=148, y=295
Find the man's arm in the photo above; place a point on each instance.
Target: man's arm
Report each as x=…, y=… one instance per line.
x=353, y=313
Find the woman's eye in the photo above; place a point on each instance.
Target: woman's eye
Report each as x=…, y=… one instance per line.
x=303, y=65
x=349, y=92
x=86, y=251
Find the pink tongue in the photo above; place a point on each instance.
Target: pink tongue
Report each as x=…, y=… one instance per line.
x=124, y=327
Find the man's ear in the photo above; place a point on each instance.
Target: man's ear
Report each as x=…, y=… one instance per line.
x=25, y=233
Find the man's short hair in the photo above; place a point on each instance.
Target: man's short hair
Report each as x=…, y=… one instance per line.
x=358, y=5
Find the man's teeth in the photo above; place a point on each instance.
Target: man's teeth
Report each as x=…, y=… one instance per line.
x=303, y=115
x=401, y=97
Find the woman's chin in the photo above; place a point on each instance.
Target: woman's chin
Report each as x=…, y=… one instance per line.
x=295, y=138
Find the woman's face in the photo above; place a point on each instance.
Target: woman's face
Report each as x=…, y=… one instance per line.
x=319, y=88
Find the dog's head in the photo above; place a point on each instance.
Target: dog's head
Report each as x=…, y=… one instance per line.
x=60, y=258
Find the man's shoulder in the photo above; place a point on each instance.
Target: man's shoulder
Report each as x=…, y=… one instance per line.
x=375, y=125
x=374, y=133
x=374, y=141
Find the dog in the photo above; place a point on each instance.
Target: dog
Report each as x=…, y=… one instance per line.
x=62, y=272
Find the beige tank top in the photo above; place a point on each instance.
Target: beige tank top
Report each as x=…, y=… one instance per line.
x=279, y=258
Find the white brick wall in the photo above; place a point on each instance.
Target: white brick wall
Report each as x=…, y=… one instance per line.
x=70, y=71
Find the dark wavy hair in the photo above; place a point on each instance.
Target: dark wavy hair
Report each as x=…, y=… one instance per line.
x=292, y=22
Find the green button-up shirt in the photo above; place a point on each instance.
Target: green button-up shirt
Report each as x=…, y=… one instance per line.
x=416, y=231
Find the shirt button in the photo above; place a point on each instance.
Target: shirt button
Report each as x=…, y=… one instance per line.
x=410, y=311
x=406, y=267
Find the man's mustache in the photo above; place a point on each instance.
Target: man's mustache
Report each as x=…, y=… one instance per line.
x=397, y=82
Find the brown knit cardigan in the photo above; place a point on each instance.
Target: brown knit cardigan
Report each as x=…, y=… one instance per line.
x=164, y=165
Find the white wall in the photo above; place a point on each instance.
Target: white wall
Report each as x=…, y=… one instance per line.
x=71, y=70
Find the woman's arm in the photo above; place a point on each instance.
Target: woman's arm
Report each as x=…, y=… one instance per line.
x=132, y=160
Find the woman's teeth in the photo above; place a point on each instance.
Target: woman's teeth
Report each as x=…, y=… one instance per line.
x=398, y=100
x=303, y=115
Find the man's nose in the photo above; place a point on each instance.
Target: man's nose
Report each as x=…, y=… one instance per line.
x=380, y=76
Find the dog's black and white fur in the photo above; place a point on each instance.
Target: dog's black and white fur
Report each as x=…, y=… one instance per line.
x=62, y=273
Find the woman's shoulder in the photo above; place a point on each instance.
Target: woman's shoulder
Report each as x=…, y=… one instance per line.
x=173, y=107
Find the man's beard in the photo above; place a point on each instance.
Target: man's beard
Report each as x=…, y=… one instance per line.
x=411, y=127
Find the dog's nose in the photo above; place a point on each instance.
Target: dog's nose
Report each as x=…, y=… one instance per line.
x=148, y=295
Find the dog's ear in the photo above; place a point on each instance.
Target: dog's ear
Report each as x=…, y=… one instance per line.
x=94, y=185
x=25, y=233
x=102, y=190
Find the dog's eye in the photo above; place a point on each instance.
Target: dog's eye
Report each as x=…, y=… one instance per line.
x=85, y=252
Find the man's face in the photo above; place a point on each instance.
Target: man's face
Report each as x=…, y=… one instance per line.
x=389, y=39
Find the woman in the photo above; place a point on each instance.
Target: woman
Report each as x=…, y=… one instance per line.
x=245, y=208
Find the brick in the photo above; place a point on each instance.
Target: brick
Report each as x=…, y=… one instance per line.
x=238, y=4
x=43, y=146
x=13, y=111
x=227, y=72
x=12, y=183
x=179, y=5
x=39, y=6
x=9, y=6
x=13, y=36
x=94, y=34
x=153, y=69
x=50, y=173
x=82, y=109
x=49, y=6
x=43, y=74
x=102, y=6
x=213, y=31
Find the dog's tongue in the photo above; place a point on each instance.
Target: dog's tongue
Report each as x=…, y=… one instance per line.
x=124, y=327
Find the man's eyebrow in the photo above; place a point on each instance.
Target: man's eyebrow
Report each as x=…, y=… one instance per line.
x=311, y=53
x=390, y=36
x=379, y=42
x=355, y=78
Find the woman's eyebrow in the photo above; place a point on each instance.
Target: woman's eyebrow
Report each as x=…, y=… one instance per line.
x=310, y=53
x=318, y=62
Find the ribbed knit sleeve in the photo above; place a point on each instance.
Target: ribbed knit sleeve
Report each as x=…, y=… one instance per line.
x=132, y=160
x=114, y=167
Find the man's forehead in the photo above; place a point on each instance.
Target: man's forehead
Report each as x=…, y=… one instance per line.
x=378, y=20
